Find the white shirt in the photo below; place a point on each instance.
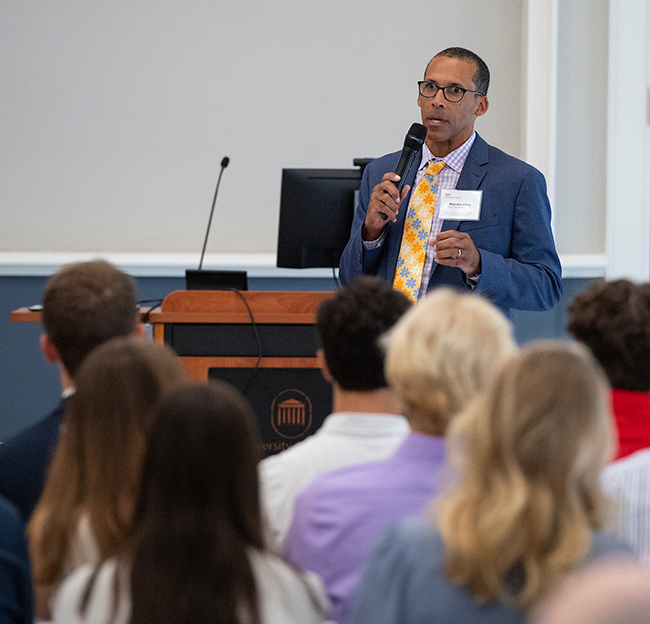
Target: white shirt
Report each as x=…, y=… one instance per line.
x=343, y=439
x=284, y=595
x=628, y=481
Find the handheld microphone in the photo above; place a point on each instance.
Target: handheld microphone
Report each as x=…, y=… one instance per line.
x=412, y=146
x=224, y=163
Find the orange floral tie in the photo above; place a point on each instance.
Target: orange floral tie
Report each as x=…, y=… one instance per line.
x=412, y=252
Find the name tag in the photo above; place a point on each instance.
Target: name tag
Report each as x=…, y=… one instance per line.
x=460, y=205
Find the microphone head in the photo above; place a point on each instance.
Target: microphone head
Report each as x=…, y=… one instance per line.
x=226, y=160
x=415, y=137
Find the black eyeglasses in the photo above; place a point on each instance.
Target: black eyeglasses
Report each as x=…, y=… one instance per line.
x=429, y=89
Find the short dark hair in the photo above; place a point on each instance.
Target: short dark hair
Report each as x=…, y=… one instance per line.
x=85, y=305
x=481, y=76
x=349, y=326
x=613, y=320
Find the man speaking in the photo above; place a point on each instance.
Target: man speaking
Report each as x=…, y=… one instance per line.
x=476, y=219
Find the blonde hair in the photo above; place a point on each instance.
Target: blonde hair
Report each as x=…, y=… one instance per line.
x=530, y=453
x=97, y=463
x=443, y=352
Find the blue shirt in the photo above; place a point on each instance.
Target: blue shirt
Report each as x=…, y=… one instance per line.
x=404, y=581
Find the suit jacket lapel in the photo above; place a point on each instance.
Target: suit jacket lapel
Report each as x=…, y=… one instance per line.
x=470, y=177
x=472, y=174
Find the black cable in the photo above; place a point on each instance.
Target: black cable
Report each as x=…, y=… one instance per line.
x=257, y=337
x=157, y=303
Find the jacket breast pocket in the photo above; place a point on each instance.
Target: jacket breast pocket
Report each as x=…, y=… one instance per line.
x=472, y=226
x=488, y=234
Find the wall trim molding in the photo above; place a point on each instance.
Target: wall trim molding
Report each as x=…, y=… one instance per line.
x=35, y=264
x=24, y=263
x=541, y=89
x=628, y=139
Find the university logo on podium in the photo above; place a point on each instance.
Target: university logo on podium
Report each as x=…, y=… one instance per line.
x=291, y=414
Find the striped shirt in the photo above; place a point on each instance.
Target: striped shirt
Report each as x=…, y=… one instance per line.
x=447, y=179
x=628, y=482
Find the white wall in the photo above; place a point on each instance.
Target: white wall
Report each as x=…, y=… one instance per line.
x=581, y=160
x=114, y=116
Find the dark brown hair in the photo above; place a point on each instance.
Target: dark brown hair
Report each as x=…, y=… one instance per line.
x=198, y=513
x=85, y=305
x=350, y=325
x=613, y=320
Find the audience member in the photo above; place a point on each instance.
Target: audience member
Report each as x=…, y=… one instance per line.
x=366, y=423
x=196, y=553
x=16, y=605
x=526, y=510
x=628, y=482
x=87, y=505
x=442, y=353
x=613, y=320
x=609, y=592
x=84, y=305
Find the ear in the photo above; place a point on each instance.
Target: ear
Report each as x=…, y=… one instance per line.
x=320, y=356
x=482, y=106
x=49, y=350
x=140, y=330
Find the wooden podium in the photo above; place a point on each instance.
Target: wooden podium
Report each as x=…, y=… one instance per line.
x=263, y=343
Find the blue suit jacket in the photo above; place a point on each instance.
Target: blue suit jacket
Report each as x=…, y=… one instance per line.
x=520, y=267
x=25, y=460
x=16, y=602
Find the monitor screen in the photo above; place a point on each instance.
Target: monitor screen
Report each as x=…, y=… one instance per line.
x=316, y=210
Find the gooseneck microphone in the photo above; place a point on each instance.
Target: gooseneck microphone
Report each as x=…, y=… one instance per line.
x=224, y=164
x=412, y=146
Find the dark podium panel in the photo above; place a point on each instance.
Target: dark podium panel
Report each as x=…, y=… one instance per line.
x=264, y=344
x=290, y=403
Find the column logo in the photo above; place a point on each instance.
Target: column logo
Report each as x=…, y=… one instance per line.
x=291, y=414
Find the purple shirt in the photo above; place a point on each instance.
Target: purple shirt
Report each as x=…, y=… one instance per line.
x=339, y=516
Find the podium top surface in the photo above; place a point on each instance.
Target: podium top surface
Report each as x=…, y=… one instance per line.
x=224, y=306
x=227, y=306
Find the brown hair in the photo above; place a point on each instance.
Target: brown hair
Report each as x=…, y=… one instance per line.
x=530, y=453
x=198, y=514
x=96, y=467
x=613, y=320
x=85, y=305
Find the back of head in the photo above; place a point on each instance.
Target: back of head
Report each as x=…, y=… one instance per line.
x=530, y=452
x=349, y=327
x=111, y=414
x=97, y=464
x=481, y=76
x=613, y=320
x=85, y=305
x=202, y=459
x=442, y=353
x=198, y=513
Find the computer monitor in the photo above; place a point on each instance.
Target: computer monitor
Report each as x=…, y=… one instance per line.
x=316, y=211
